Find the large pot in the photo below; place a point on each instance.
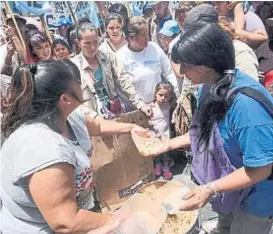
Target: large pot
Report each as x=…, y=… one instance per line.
x=186, y=182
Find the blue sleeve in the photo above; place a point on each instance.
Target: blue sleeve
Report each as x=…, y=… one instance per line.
x=252, y=128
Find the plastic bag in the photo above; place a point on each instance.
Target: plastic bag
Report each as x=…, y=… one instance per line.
x=141, y=215
x=174, y=202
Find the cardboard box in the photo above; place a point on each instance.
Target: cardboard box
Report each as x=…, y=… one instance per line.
x=119, y=169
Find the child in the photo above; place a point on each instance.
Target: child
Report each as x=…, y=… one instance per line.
x=160, y=124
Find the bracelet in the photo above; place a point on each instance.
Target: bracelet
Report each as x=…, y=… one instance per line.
x=211, y=185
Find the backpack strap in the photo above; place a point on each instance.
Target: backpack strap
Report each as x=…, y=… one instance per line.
x=256, y=95
x=252, y=93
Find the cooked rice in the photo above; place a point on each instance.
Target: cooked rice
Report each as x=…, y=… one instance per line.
x=175, y=224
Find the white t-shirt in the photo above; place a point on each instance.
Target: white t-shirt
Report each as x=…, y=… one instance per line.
x=160, y=120
x=148, y=67
x=33, y=147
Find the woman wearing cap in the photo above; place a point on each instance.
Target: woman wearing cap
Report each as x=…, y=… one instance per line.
x=168, y=33
x=47, y=180
x=101, y=74
x=231, y=135
x=166, y=36
x=63, y=27
x=114, y=30
x=146, y=61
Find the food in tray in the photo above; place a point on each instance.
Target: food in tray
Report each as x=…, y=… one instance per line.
x=147, y=145
x=179, y=223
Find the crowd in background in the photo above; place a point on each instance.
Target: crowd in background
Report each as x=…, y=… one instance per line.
x=136, y=63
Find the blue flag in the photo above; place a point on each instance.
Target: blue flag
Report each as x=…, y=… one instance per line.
x=23, y=7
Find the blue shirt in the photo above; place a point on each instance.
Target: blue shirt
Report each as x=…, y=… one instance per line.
x=98, y=74
x=101, y=92
x=247, y=132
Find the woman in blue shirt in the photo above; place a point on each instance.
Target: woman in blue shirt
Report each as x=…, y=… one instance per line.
x=231, y=135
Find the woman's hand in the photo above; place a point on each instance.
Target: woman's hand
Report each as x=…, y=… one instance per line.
x=11, y=48
x=147, y=110
x=232, y=4
x=149, y=145
x=196, y=198
x=138, y=130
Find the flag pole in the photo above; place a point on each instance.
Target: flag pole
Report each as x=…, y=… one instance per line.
x=3, y=16
x=72, y=13
x=46, y=29
x=16, y=25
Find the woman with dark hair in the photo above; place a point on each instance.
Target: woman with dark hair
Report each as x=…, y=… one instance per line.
x=47, y=180
x=61, y=49
x=38, y=47
x=101, y=74
x=120, y=9
x=231, y=134
x=114, y=30
x=146, y=61
x=30, y=27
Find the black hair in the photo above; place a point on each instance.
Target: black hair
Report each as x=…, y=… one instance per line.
x=85, y=27
x=35, y=91
x=62, y=42
x=166, y=85
x=30, y=27
x=121, y=10
x=134, y=26
x=113, y=16
x=209, y=46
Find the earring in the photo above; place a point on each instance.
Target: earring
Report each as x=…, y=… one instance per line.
x=68, y=103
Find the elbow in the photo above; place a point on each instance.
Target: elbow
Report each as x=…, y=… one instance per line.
x=259, y=174
x=264, y=37
x=64, y=224
x=62, y=227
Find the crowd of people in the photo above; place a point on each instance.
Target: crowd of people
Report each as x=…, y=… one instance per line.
x=203, y=75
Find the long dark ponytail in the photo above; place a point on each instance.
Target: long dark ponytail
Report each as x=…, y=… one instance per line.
x=34, y=94
x=214, y=106
x=209, y=46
